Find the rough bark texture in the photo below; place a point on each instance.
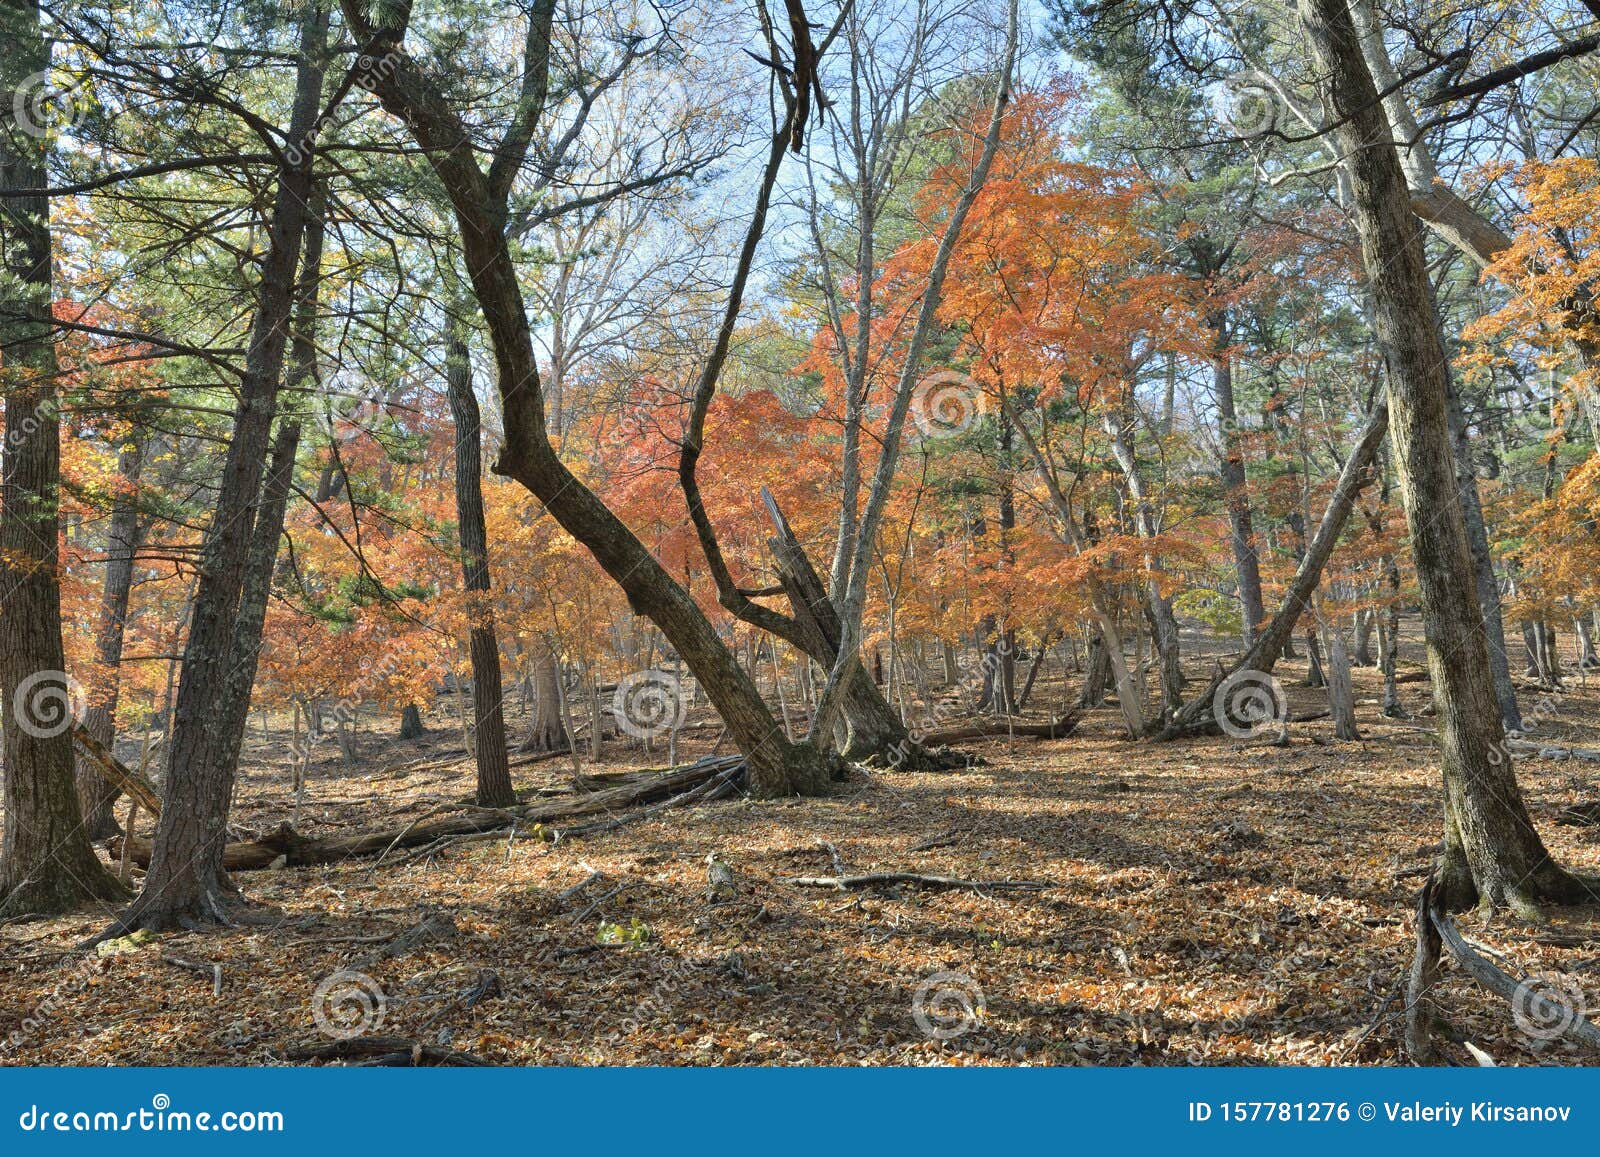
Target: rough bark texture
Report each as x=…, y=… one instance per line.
x=1492, y=852
x=1241, y=531
x=548, y=732
x=95, y=792
x=186, y=883
x=488, y=714
x=46, y=861
x=1494, y=631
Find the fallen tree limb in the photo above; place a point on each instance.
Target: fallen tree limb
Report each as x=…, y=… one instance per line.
x=875, y=879
x=117, y=773
x=287, y=848
x=1000, y=728
x=1527, y=997
x=392, y=1051
x=1552, y=750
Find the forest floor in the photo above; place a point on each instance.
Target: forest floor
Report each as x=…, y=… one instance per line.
x=1207, y=901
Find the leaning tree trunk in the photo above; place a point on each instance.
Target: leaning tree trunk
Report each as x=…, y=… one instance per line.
x=1492, y=852
x=488, y=713
x=98, y=794
x=186, y=883
x=479, y=198
x=47, y=864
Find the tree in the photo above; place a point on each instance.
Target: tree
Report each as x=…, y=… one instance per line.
x=46, y=863
x=1492, y=852
x=480, y=198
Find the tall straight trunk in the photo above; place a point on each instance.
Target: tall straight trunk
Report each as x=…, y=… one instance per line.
x=261, y=559
x=1157, y=607
x=488, y=715
x=47, y=864
x=1482, y=566
x=96, y=793
x=186, y=882
x=1492, y=852
x=1241, y=531
x=1391, y=638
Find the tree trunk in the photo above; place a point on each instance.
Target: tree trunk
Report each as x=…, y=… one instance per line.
x=411, y=726
x=1341, y=699
x=548, y=732
x=488, y=713
x=186, y=883
x=1096, y=674
x=1365, y=621
x=96, y=793
x=47, y=864
x=1241, y=533
x=1492, y=852
x=1482, y=566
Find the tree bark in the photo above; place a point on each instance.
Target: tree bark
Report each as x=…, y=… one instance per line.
x=186, y=883
x=47, y=864
x=488, y=713
x=548, y=731
x=96, y=793
x=1492, y=852
x=1241, y=531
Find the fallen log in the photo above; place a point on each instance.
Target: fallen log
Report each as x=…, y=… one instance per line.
x=873, y=879
x=117, y=773
x=1000, y=728
x=1552, y=750
x=390, y=1051
x=287, y=848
